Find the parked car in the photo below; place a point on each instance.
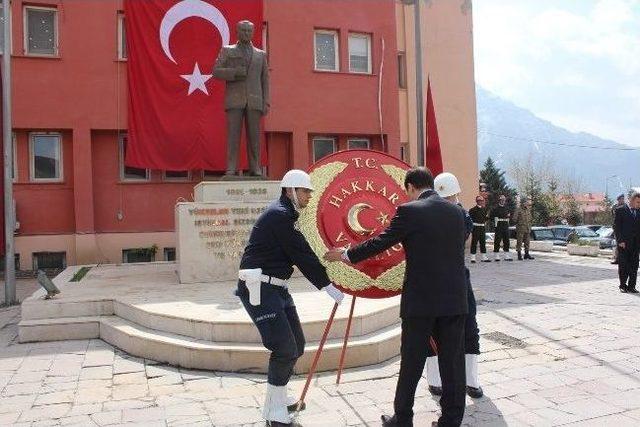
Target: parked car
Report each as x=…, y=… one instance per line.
x=563, y=233
x=607, y=239
x=543, y=233
x=490, y=237
x=594, y=227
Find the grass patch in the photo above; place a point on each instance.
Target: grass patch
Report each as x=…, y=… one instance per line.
x=80, y=274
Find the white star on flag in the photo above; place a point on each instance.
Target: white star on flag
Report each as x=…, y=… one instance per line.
x=197, y=80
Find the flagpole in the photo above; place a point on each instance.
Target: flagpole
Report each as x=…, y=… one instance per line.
x=9, y=215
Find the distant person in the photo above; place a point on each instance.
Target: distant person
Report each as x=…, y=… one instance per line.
x=479, y=215
x=523, y=228
x=500, y=216
x=627, y=231
x=619, y=203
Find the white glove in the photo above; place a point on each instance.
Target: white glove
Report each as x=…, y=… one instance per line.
x=334, y=293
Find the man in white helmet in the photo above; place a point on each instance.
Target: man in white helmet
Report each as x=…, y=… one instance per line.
x=448, y=187
x=275, y=246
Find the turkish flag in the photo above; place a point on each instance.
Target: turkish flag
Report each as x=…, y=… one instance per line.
x=176, y=108
x=433, y=156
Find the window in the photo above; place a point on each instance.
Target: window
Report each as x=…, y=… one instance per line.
x=177, y=175
x=16, y=261
x=49, y=260
x=122, y=38
x=326, y=50
x=360, y=53
x=403, y=153
x=358, y=144
x=138, y=255
x=41, y=31
x=2, y=21
x=128, y=173
x=402, y=70
x=322, y=147
x=169, y=254
x=45, y=157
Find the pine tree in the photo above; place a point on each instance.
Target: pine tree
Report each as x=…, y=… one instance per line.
x=496, y=184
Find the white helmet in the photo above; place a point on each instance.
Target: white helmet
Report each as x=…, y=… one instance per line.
x=296, y=178
x=446, y=184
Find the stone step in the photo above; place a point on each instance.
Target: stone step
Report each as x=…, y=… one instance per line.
x=244, y=331
x=192, y=353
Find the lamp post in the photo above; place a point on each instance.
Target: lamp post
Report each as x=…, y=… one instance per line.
x=419, y=85
x=9, y=215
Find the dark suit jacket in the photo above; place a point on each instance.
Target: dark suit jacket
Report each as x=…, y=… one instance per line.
x=432, y=231
x=250, y=92
x=627, y=228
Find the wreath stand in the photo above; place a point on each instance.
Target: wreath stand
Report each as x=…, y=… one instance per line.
x=323, y=340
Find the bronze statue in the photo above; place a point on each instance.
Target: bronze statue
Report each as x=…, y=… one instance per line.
x=244, y=68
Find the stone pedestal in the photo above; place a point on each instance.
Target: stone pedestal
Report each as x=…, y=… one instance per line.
x=212, y=232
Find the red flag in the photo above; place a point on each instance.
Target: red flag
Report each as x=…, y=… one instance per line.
x=176, y=107
x=433, y=157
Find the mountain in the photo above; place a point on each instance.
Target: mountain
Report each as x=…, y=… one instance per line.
x=508, y=133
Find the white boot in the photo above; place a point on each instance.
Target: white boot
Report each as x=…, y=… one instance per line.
x=485, y=258
x=471, y=368
x=473, y=258
x=497, y=256
x=433, y=372
x=275, y=405
x=507, y=256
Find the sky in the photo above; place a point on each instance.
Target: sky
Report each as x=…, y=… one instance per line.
x=575, y=63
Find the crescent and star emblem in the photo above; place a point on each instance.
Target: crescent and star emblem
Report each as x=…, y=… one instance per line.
x=354, y=222
x=178, y=13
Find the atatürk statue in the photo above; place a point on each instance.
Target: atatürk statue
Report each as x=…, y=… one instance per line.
x=245, y=70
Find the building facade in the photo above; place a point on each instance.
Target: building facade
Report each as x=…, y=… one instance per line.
x=342, y=76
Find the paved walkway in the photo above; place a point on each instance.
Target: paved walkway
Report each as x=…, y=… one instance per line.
x=561, y=346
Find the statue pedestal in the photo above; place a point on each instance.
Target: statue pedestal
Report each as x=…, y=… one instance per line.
x=212, y=231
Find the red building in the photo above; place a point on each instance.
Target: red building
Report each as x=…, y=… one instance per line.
x=77, y=203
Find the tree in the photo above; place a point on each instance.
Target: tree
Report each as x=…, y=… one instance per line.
x=572, y=211
x=496, y=184
x=605, y=216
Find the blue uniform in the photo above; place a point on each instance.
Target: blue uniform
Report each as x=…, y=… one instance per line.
x=275, y=246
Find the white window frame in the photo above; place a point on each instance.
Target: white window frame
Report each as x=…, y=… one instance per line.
x=336, y=43
x=360, y=36
x=265, y=35
x=121, y=35
x=32, y=158
x=367, y=140
x=322, y=138
x=121, y=163
x=56, y=44
x=7, y=19
x=176, y=179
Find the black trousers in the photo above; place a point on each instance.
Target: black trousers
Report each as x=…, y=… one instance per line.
x=471, y=330
x=478, y=235
x=501, y=236
x=448, y=331
x=277, y=321
x=628, y=266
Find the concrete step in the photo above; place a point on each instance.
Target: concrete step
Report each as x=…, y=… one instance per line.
x=192, y=353
x=244, y=331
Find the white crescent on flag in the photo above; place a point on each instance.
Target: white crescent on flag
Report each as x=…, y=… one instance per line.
x=187, y=9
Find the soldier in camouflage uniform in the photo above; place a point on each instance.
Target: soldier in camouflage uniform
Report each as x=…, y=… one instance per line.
x=523, y=228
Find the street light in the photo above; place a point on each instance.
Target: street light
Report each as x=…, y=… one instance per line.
x=606, y=185
x=419, y=97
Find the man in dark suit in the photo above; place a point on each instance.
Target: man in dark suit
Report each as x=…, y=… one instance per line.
x=627, y=230
x=619, y=203
x=434, y=294
x=244, y=68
